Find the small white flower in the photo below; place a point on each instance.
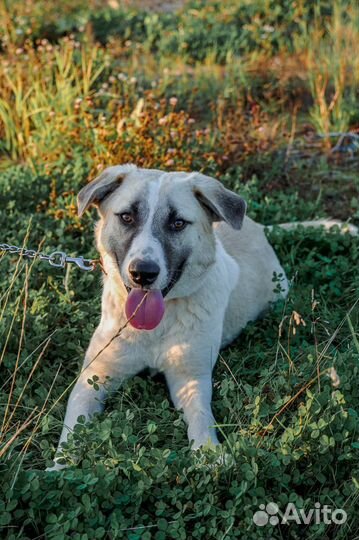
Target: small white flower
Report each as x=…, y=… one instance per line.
x=268, y=28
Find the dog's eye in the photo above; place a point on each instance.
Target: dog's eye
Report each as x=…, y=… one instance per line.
x=178, y=225
x=127, y=218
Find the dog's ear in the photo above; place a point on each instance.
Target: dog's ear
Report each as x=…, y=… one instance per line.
x=222, y=204
x=101, y=187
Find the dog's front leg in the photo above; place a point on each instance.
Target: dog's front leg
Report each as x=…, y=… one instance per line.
x=193, y=394
x=107, y=371
x=84, y=401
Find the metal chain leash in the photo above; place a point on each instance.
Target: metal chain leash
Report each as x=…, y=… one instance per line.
x=58, y=259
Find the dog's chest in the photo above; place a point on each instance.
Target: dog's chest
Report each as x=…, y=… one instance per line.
x=169, y=344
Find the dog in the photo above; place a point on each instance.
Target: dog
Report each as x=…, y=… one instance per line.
x=184, y=271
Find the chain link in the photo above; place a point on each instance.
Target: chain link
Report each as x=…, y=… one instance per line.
x=58, y=259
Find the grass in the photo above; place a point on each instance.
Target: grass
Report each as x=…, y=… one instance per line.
x=334, y=71
x=250, y=94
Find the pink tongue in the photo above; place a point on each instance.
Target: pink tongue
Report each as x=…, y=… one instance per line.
x=150, y=312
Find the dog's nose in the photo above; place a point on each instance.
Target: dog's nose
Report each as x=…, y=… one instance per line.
x=143, y=272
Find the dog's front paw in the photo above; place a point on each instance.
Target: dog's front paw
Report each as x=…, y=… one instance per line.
x=56, y=466
x=207, y=440
x=212, y=456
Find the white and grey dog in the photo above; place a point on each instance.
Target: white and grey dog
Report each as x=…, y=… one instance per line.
x=188, y=268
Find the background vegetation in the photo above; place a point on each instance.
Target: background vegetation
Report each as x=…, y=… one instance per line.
x=256, y=94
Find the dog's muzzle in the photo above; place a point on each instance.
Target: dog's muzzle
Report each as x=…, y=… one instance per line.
x=145, y=273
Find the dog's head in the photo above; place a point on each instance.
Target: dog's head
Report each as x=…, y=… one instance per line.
x=157, y=227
